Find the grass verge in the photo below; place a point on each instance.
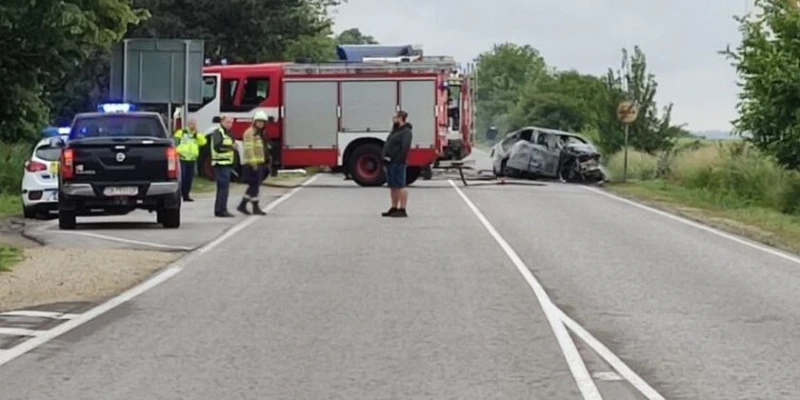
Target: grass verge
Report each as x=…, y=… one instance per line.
x=9, y=255
x=761, y=224
x=10, y=206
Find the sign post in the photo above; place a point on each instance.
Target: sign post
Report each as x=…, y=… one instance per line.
x=627, y=112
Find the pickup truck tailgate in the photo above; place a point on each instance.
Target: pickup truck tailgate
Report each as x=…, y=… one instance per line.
x=120, y=160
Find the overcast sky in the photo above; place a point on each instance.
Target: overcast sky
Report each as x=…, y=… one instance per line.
x=680, y=38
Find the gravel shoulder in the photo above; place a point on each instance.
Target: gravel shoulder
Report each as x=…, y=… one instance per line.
x=56, y=275
x=71, y=273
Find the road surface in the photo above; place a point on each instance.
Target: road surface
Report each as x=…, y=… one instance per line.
x=325, y=299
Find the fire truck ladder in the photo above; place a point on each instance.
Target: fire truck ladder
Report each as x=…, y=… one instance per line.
x=428, y=65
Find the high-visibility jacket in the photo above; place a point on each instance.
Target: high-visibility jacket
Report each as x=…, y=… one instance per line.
x=189, y=144
x=222, y=150
x=254, y=149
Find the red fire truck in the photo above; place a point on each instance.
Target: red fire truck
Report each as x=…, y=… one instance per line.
x=338, y=114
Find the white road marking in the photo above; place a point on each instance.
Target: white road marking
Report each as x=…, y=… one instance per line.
x=122, y=240
x=610, y=358
x=19, y=332
x=33, y=314
x=607, y=376
x=770, y=250
x=174, y=269
x=576, y=365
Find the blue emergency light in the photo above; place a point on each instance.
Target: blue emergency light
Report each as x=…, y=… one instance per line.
x=115, y=108
x=63, y=131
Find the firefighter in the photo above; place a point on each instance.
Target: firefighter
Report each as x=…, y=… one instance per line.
x=254, y=163
x=189, y=144
x=222, y=158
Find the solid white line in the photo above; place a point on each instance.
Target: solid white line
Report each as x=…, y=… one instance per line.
x=32, y=314
x=610, y=358
x=576, y=365
x=770, y=250
x=19, y=332
x=122, y=240
x=156, y=280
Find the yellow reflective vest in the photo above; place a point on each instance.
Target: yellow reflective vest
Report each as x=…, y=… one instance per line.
x=254, y=149
x=189, y=144
x=222, y=150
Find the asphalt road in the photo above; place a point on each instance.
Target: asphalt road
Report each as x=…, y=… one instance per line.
x=139, y=230
x=324, y=299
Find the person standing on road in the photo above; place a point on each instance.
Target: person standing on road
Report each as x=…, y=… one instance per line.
x=189, y=144
x=222, y=157
x=254, y=163
x=395, y=157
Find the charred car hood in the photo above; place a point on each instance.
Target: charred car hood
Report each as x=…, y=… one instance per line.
x=581, y=148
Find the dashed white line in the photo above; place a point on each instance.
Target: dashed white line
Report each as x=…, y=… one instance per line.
x=38, y=314
x=574, y=360
x=122, y=240
x=607, y=376
x=178, y=266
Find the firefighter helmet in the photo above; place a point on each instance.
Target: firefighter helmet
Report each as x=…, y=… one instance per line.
x=260, y=116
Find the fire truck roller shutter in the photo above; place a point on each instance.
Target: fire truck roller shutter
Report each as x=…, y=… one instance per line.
x=417, y=98
x=310, y=115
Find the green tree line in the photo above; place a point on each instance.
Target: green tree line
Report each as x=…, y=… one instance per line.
x=517, y=88
x=54, y=59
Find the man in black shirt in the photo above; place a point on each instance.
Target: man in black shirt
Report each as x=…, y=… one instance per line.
x=395, y=157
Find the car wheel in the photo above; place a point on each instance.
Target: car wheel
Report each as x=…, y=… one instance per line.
x=169, y=217
x=503, y=169
x=29, y=212
x=66, y=220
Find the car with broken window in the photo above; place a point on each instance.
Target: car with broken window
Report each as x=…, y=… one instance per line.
x=541, y=153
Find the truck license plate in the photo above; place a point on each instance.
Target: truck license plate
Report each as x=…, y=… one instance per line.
x=121, y=191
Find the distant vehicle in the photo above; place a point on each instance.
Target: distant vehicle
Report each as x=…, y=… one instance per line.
x=40, y=179
x=536, y=153
x=118, y=160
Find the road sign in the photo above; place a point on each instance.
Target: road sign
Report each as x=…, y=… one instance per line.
x=627, y=112
x=157, y=71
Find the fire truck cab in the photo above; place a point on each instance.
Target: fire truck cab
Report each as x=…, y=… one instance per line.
x=339, y=114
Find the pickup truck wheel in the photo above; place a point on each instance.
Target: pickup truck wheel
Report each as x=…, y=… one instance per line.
x=66, y=220
x=365, y=165
x=169, y=217
x=412, y=174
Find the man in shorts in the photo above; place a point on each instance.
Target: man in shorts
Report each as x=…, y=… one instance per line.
x=395, y=158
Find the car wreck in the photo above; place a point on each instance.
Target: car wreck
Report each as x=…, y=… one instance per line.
x=540, y=153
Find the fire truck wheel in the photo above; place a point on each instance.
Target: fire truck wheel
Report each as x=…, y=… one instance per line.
x=412, y=174
x=365, y=165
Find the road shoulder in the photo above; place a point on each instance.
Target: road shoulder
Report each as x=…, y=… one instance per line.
x=761, y=225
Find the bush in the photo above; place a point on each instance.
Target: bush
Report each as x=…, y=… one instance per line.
x=641, y=166
x=12, y=159
x=729, y=174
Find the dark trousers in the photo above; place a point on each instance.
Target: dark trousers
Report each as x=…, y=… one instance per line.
x=223, y=175
x=187, y=176
x=253, y=176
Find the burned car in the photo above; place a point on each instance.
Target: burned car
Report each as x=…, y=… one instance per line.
x=537, y=153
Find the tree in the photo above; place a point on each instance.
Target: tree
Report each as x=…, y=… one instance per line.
x=354, y=36
x=766, y=62
x=45, y=44
x=241, y=31
x=502, y=74
x=651, y=132
x=567, y=100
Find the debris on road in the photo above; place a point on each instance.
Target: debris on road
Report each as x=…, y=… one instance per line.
x=54, y=275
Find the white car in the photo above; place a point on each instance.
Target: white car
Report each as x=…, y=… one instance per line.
x=40, y=181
